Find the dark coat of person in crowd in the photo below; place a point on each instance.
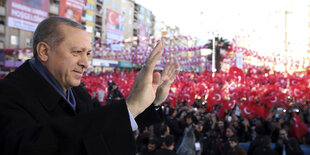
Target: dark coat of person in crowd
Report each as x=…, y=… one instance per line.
x=173, y=124
x=167, y=146
x=234, y=148
x=258, y=141
x=153, y=145
x=265, y=149
x=94, y=99
x=288, y=144
x=210, y=144
x=230, y=133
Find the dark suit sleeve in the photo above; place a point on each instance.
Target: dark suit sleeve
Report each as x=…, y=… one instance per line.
x=151, y=115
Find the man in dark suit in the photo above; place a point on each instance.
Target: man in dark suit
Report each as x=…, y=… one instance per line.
x=44, y=111
x=265, y=147
x=287, y=145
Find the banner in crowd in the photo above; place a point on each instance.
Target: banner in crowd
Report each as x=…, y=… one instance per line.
x=27, y=14
x=72, y=9
x=114, y=29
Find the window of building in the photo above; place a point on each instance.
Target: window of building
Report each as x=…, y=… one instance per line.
x=115, y=6
x=28, y=42
x=149, y=13
x=90, y=6
x=141, y=17
x=14, y=40
x=124, y=11
x=142, y=10
x=107, y=2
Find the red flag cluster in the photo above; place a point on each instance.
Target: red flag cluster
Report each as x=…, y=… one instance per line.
x=254, y=92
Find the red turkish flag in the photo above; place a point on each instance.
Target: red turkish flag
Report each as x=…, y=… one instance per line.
x=247, y=109
x=299, y=128
x=236, y=73
x=214, y=98
x=227, y=105
x=261, y=111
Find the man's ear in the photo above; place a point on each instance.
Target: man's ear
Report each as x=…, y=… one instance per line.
x=42, y=51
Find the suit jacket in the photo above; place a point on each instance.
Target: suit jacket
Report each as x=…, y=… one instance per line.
x=35, y=119
x=165, y=152
x=265, y=151
x=291, y=147
x=236, y=151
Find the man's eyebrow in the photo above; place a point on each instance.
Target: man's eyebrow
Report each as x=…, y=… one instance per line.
x=79, y=48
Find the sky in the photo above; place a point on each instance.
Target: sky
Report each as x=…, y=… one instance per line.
x=198, y=17
x=263, y=19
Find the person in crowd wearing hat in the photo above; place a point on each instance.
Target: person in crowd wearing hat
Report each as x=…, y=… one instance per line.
x=44, y=111
x=114, y=94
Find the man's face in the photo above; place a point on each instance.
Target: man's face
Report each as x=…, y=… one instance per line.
x=189, y=120
x=232, y=144
x=229, y=132
x=283, y=134
x=69, y=60
x=221, y=124
x=151, y=147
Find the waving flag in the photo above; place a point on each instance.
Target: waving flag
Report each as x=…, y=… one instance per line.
x=299, y=128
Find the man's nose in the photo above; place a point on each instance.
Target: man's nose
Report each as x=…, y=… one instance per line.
x=84, y=61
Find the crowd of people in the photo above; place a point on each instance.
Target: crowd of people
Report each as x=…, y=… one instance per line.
x=196, y=131
x=199, y=125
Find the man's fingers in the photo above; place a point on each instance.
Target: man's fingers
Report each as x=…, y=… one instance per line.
x=169, y=67
x=153, y=59
x=158, y=48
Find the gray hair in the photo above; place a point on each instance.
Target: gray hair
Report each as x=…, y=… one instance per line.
x=48, y=31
